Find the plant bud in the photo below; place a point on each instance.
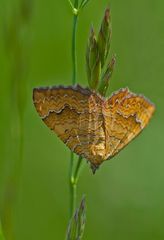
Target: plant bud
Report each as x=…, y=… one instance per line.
x=104, y=37
x=106, y=77
x=77, y=223
x=93, y=64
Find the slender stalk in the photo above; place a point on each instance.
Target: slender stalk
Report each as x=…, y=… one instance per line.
x=72, y=190
x=78, y=169
x=74, y=57
x=73, y=193
x=84, y=3
x=70, y=3
x=74, y=73
x=74, y=175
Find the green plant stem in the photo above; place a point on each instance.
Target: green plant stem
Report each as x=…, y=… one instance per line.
x=74, y=175
x=73, y=193
x=74, y=57
x=78, y=169
x=73, y=183
x=84, y=3
x=72, y=190
x=71, y=5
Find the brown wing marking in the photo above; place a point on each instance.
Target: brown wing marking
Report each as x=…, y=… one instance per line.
x=74, y=115
x=130, y=113
x=60, y=109
x=55, y=99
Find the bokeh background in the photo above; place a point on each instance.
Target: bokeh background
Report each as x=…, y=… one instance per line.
x=125, y=198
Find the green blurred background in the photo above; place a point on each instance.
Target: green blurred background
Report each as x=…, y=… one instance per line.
x=125, y=198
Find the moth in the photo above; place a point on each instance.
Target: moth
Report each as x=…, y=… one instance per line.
x=92, y=126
